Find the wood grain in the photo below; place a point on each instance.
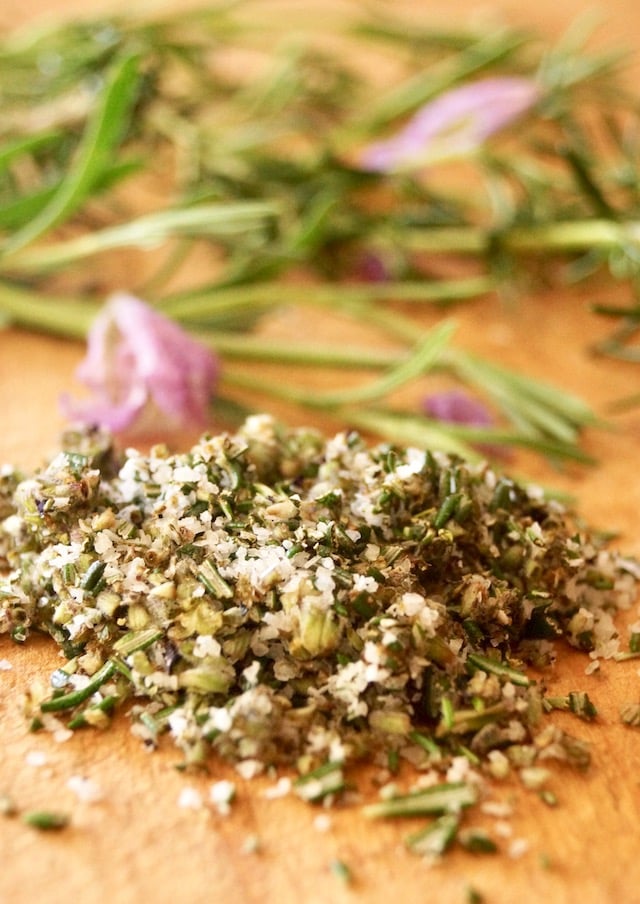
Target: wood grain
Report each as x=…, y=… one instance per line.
x=137, y=844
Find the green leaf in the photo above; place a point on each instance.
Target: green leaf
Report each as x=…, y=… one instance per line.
x=103, y=132
x=28, y=145
x=150, y=230
x=14, y=214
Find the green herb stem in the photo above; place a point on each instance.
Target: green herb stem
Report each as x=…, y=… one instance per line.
x=46, y=820
x=149, y=231
x=542, y=238
x=496, y=667
x=444, y=798
x=202, y=303
x=65, y=317
x=105, y=129
x=68, y=701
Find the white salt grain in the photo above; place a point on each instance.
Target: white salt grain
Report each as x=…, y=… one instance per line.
x=221, y=794
x=322, y=822
x=36, y=758
x=281, y=788
x=85, y=789
x=518, y=847
x=190, y=799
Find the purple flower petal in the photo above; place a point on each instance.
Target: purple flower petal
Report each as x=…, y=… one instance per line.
x=456, y=407
x=138, y=360
x=371, y=268
x=454, y=124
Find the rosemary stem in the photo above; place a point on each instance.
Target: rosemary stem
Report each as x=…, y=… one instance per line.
x=61, y=316
x=213, y=300
x=145, y=232
x=72, y=319
x=553, y=237
x=256, y=348
x=68, y=701
x=423, y=358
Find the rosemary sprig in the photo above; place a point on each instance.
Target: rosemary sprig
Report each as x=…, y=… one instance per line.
x=265, y=169
x=104, y=130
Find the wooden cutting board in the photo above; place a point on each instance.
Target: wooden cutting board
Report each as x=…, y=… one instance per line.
x=137, y=844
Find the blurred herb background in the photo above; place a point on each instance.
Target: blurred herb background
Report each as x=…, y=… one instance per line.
x=229, y=140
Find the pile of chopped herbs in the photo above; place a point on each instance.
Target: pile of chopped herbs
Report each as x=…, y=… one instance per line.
x=281, y=599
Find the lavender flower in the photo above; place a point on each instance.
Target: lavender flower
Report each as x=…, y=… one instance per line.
x=141, y=363
x=456, y=407
x=454, y=124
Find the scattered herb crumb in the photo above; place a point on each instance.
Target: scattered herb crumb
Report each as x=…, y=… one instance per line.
x=474, y=896
x=477, y=841
x=436, y=838
x=251, y=845
x=7, y=805
x=284, y=600
x=341, y=871
x=46, y=820
x=549, y=797
x=630, y=714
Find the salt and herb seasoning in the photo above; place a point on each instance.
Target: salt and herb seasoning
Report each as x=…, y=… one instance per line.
x=284, y=600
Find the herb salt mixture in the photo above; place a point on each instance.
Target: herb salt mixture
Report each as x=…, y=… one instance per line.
x=282, y=599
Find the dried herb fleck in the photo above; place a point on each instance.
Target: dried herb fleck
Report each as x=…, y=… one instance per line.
x=46, y=820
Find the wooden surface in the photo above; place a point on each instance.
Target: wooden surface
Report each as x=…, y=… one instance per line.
x=137, y=844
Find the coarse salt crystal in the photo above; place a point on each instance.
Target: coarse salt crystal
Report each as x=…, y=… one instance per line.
x=249, y=768
x=220, y=718
x=503, y=829
x=85, y=789
x=190, y=799
x=5, y=665
x=499, y=809
x=221, y=794
x=281, y=788
x=459, y=769
x=518, y=847
x=412, y=603
x=322, y=822
x=36, y=758
x=206, y=645
x=252, y=673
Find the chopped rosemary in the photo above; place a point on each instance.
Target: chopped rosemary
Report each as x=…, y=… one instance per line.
x=329, y=611
x=71, y=700
x=320, y=783
x=630, y=714
x=474, y=896
x=477, y=841
x=46, y=820
x=436, y=838
x=341, y=871
x=577, y=702
x=7, y=805
x=550, y=798
x=444, y=798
